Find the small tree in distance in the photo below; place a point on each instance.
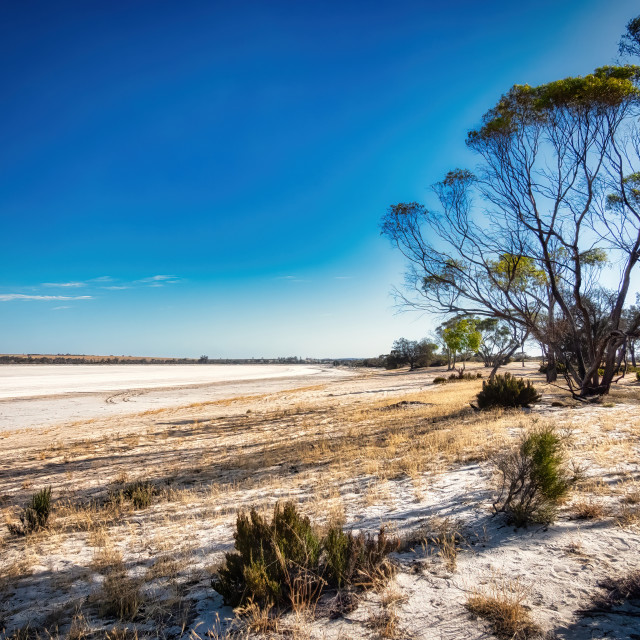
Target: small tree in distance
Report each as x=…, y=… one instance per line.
x=462, y=338
x=406, y=351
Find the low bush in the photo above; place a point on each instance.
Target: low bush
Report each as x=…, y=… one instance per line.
x=638, y=376
x=140, y=493
x=560, y=368
x=286, y=562
x=120, y=597
x=35, y=515
x=534, y=478
x=454, y=377
x=357, y=560
x=507, y=391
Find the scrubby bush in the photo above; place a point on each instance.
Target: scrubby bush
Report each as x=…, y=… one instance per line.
x=35, y=515
x=638, y=376
x=560, y=368
x=357, y=560
x=507, y=391
x=139, y=493
x=534, y=478
x=267, y=554
x=120, y=597
x=455, y=377
x=275, y=561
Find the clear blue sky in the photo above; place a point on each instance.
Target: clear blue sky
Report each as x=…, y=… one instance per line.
x=187, y=178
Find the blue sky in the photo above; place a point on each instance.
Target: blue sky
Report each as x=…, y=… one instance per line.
x=187, y=178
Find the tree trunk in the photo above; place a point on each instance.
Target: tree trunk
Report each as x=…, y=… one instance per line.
x=502, y=360
x=552, y=371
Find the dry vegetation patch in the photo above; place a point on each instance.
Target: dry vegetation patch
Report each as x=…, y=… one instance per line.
x=144, y=507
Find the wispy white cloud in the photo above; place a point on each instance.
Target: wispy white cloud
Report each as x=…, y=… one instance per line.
x=64, y=284
x=105, y=283
x=155, y=281
x=78, y=283
x=8, y=297
x=62, y=307
x=291, y=279
x=343, y=277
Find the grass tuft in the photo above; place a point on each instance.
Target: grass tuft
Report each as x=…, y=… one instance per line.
x=504, y=610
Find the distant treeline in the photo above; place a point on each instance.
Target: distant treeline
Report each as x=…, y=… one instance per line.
x=35, y=358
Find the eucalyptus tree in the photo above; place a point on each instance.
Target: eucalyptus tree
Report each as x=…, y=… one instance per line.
x=462, y=338
x=500, y=340
x=408, y=351
x=526, y=238
x=631, y=325
x=630, y=41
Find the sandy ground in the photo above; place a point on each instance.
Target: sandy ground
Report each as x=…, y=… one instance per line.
x=37, y=395
x=342, y=449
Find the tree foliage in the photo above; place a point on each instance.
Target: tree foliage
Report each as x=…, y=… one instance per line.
x=462, y=338
x=500, y=340
x=630, y=41
x=412, y=352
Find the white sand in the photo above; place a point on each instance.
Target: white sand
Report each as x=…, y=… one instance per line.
x=43, y=395
x=559, y=566
x=25, y=380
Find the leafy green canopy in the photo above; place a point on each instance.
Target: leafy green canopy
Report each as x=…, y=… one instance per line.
x=525, y=105
x=462, y=336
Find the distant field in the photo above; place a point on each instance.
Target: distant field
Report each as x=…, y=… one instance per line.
x=35, y=395
x=23, y=380
x=72, y=357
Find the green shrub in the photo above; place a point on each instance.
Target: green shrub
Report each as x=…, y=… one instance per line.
x=455, y=377
x=638, y=375
x=560, y=368
x=507, y=391
x=140, y=493
x=275, y=562
x=534, y=478
x=35, y=515
x=265, y=555
x=357, y=560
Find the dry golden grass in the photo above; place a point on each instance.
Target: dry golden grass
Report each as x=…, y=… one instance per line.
x=502, y=606
x=120, y=595
x=207, y=460
x=588, y=509
x=386, y=622
x=445, y=539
